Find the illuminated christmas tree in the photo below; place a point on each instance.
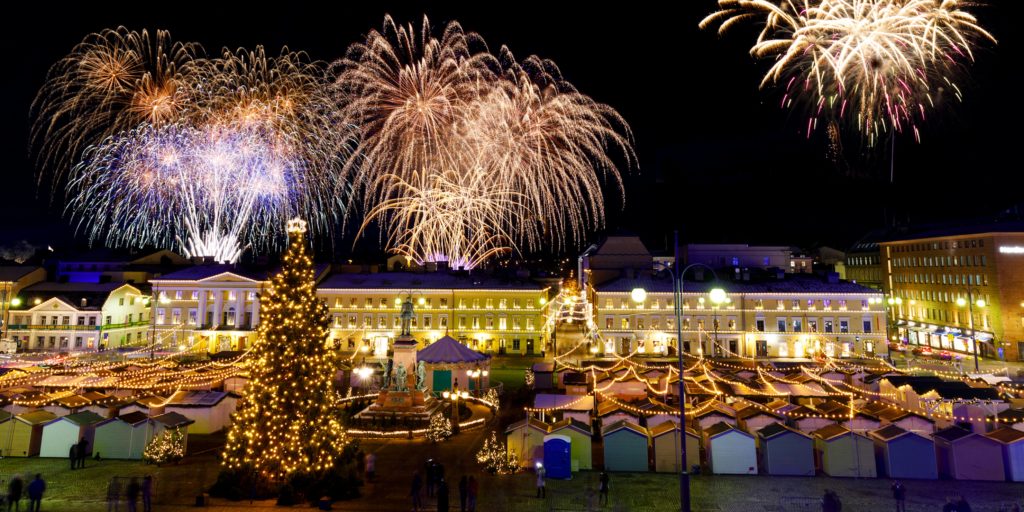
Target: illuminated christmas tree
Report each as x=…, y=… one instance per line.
x=440, y=428
x=496, y=458
x=169, y=446
x=288, y=420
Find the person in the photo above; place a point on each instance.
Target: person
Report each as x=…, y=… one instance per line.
x=541, y=491
x=73, y=456
x=463, y=493
x=371, y=466
x=147, y=494
x=604, y=488
x=417, y=483
x=950, y=505
x=473, y=490
x=36, y=488
x=431, y=477
x=962, y=505
x=132, y=494
x=899, y=493
x=14, y=489
x=83, y=451
x=113, y=495
x=830, y=502
x=442, y=496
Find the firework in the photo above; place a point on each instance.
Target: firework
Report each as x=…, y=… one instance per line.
x=206, y=155
x=430, y=108
x=884, y=64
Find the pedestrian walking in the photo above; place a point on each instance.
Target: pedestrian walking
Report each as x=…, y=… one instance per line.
x=463, y=493
x=83, y=451
x=147, y=494
x=417, y=484
x=73, y=456
x=474, y=488
x=371, y=466
x=899, y=493
x=113, y=495
x=541, y=490
x=36, y=488
x=132, y=494
x=431, y=477
x=14, y=490
x=442, y=496
x=950, y=505
x=604, y=488
x=830, y=502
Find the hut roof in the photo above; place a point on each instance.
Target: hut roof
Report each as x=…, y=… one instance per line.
x=83, y=418
x=134, y=418
x=624, y=425
x=776, y=429
x=1006, y=435
x=722, y=427
x=888, y=432
x=449, y=350
x=952, y=434
x=830, y=432
x=531, y=422
x=173, y=419
x=36, y=417
x=571, y=424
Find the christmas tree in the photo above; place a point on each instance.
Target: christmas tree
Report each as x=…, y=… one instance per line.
x=288, y=420
x=440, y=428
x=167, y=447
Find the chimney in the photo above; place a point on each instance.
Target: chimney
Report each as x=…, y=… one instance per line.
x=430, y=266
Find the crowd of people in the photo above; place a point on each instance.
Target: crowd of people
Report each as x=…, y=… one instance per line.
x=433, y=478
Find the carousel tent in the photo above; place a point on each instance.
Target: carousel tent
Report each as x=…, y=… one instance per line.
x=447, y=360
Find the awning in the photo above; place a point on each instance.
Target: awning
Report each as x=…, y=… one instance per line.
x=983, y=336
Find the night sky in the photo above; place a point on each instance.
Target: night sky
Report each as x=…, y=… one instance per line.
x=718, y=159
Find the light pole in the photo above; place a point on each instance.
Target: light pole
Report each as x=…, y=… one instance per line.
x=454, y=397
x=970, y=303
x=677, y=294
x=478, y=374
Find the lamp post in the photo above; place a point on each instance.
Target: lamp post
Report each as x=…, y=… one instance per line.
x=454, y=396
x=478, y=374
x=970, y=303
x=365, y=373
x=716, y=294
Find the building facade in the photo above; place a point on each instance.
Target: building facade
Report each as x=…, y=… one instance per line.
x=864, y=262
x=76, y=317
x=487, y=314
x=955, y=288
x=14, y=279
x=786, y=315
x=208, y=308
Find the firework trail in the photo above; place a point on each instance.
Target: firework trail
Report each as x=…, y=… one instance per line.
x=430, y=108
x=881, y=64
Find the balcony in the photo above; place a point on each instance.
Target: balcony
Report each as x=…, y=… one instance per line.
x=52, y=327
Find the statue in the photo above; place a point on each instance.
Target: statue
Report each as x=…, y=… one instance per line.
x=421, y=376
x=407, y=315
x=410, y=380
x=400, y=378
x=387, y=374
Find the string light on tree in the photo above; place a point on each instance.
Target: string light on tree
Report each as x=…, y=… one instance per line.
x=288, y=420
x=168, y=447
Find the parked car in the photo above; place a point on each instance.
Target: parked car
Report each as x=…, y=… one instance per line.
x=922, y=351
x=945, y=355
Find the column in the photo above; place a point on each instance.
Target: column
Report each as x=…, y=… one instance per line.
x=218, y=307
x=239, y=308
x=255, y=311
x=202, y=307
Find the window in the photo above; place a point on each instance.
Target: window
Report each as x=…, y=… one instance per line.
x=812, y=325
x=352, y=321
x=383, y=303
x=442, y=321
x=867, y=326
x=78, y=342
x=195, y=295
x=352, y=302
x=502, y=323
x=797, y=325
x=462, y=322
x=529, y=323
x=490, y=322
x=192, y=316
x=517, y=323
x=781, y=324
x=369, y=302
x=92, y=320
x=625, y=323
x=161, y=316
x=828, y=325
x=131, y=300
x=844, y=326
x=731, y=324
x=108, y=322
x=120, y=302
x=490, y=303
x=735, y=261
x=81, y=320
x=609, y=322
x=503, y=303
x=382, y=321
x=759, y=324
x=476, y=322
x=515, y=343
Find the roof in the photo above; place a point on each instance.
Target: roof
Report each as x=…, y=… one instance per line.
x=200, y=272
x=173, y=419
x=573, y=424
x=449, y=350
x=946, y=389
x=952, y=434
x=196, y=398
x=578, y=402
x=888, y=433
x=83, y=418
x=776, y=429
x=543, y=367
x=531, y=422
x=12, y=273
x=134, y=418
x=830, y=432
x=36, y=417
x=749, y=412
x=1006, y=435
x=572, y=378
x=941, y=230
x=624, y=425
x=791, y=283
x=401, y=281
x=722, y=427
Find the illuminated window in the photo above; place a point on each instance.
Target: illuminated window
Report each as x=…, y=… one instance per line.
x=781, y=324
x=503, y=323
x=529, y=323
x=503, y=303
x=442, y=321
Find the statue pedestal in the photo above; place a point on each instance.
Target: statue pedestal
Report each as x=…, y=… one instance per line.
x=405, y=406
x=405, y=352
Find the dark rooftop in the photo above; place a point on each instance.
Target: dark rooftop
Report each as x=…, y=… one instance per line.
x=791, y=283
x=426, y=280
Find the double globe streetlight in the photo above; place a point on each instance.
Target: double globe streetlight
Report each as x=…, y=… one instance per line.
x=970, y=302
x=718, y=297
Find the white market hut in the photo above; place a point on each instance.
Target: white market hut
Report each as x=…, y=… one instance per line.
x=235, y=384
x=610, y=412
x=730, y=451
x=964, y=455
x=755, y=418
x=446, y=361
x=61, y=433
x=525, y=439
x=665, y=439
x=904, y=454
x=908, y=420
x=123, y=437
x=1012, y=441
x=581, y=448
x=150, y=405
x=23, y=435
x=785, y=451
x=625, y=447
x=808, y=420
x=842, y=453
x=210, y=410
x=713, y=412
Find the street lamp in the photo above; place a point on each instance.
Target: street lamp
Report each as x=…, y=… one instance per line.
x=454, y=396
x=478, y=374
x=970, y=303
x=718, y=298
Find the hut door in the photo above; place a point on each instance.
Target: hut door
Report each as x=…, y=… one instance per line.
x=442, y=380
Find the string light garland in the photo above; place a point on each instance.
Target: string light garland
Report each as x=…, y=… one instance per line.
x=288, y=420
